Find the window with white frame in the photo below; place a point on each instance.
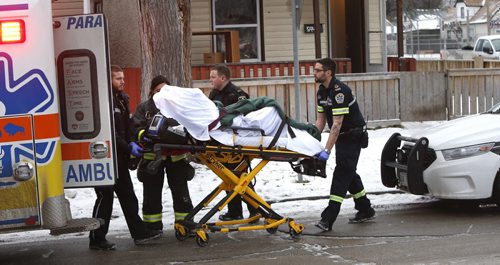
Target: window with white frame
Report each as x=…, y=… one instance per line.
x=243, y=16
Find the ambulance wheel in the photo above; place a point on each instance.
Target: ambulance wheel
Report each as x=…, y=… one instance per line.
x=202, y=242
x=293, y=234
x=182, y=235
x=272, y=231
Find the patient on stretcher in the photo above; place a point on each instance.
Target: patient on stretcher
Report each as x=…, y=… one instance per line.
x=256, y=123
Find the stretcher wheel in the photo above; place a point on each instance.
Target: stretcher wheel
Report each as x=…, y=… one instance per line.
x=272, y=231
x=182, y=233
x=293, y=234
x=202, y=242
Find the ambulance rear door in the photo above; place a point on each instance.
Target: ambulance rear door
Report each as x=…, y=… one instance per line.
x=29, y=152
x=84, y=88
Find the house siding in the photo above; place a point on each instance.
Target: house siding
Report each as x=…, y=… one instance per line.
x=375, y=50
x=67, y=8
x=201, y=20
x=278, y=35
x=374, y=33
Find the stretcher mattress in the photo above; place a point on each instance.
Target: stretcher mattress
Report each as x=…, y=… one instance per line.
x=192, y=109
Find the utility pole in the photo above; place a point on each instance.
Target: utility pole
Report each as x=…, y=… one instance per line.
x=399, y=15
x=488, y=16
x=317, y=29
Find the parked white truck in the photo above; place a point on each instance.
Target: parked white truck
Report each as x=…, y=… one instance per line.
x=487, y=47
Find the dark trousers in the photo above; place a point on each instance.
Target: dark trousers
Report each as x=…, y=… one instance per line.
x=345, y=178
x=177, y=178
x=103, y=207
x=234, y=207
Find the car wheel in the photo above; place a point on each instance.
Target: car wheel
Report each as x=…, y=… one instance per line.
x=496, y=189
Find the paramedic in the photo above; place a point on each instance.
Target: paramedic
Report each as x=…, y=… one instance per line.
x=178, y=170
x=337, y=106
x=225, y=91
x=123, y=187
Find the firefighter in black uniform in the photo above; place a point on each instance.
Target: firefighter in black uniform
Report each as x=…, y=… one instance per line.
x=177, y=168
x=224, y=91
x=123, y=187
x=337, y=106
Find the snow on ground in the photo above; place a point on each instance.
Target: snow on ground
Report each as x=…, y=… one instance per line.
x=277, y=181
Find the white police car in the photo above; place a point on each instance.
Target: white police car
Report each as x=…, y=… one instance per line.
x=458, y=159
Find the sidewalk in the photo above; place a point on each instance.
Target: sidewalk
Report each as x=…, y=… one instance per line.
x=430, y=219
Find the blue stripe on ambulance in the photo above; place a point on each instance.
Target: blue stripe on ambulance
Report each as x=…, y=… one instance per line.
x=36, y=92
x=18, y=221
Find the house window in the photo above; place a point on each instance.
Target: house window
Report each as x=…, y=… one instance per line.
x=243, y=16
x=462, y=12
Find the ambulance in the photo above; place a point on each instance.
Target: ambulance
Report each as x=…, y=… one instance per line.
x=55, y=122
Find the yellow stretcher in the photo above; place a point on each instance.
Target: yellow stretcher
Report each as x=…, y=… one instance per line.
x=225, y=162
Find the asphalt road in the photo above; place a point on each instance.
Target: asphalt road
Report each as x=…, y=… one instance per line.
x=428, y=233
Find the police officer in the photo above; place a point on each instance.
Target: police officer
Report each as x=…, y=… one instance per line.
x=177, y=168
x=123, y=187
x=337, y=106
x=225, y=91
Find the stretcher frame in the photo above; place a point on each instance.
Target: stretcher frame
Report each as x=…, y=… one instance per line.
x=213, y=157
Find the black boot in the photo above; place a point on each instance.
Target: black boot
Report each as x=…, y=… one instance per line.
x=101, y=245
x=149, y=235
x=324, y=225
x=363, y=216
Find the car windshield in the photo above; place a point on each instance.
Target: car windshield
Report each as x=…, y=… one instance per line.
x=496, y=44
x=495, y=109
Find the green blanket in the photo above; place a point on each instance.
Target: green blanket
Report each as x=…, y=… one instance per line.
x=248, y=105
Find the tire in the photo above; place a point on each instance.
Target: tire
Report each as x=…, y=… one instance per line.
x=201, y=242
x=496, y=189
x=182, y=236
x=272, y=230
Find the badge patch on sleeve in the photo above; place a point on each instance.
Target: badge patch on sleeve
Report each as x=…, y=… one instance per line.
x=339, y=98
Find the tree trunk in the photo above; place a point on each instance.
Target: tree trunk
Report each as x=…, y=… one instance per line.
x=165, y=42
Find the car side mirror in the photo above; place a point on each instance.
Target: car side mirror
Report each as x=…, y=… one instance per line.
x=488, y=50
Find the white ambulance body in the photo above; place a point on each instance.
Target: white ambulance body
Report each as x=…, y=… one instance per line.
x=55, y=124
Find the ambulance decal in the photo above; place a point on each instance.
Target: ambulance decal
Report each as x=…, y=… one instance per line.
x=33, y=88
x=36, y=94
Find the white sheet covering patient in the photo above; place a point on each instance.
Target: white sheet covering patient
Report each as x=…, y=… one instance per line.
x=192, y=109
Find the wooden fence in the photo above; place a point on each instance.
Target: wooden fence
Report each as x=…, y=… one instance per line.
x=267, y=69
x=472, y=91
x=386, y=99
x=426, y=96
x=377, y=95
x=422, y=96
x=445, y=65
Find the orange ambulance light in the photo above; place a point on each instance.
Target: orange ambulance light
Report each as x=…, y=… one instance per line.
x=12, y=31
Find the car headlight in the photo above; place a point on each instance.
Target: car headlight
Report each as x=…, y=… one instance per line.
x=467, y=151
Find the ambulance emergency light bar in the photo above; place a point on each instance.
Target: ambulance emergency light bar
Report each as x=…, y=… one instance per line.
x=12, y=31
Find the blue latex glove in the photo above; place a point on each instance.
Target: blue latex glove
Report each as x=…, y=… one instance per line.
x=135, y=149
x=323, y=155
